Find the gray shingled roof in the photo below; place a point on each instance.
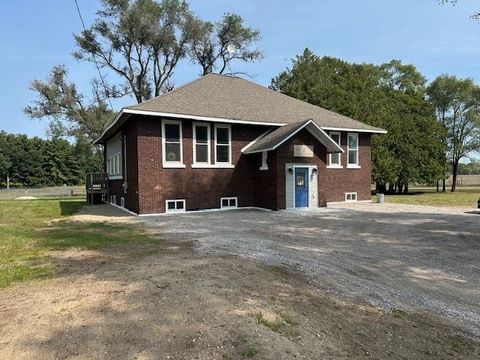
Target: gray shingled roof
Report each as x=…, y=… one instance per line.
x=278, y=136
x=233, y=98
x=229, y=97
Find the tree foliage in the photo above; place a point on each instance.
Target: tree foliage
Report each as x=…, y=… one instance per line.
x=457, y=103
x=142, y=41
x=71, y=113
x=217, y=45
x=475, y=15
x=38, y=162
x=391, y=96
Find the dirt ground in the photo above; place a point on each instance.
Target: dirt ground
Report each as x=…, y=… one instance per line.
x=177, y=303
x=392, y=256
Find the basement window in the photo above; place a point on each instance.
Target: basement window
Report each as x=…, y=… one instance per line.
x=350, y=196
x=228, y=202
x=175, y=206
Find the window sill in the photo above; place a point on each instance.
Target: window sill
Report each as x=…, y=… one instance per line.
x=115, y=177
x=334, y=167
x=354, y=167
x=173, y=166
x=212, y=166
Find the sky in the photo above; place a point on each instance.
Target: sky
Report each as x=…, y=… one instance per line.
x=36, y=35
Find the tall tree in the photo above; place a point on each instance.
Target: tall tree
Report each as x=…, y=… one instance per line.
x=217, y=45
x=457, y=102
x=390, y=96
x=70, y=112
x=141, y=41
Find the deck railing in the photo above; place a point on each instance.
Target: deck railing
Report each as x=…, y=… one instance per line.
x=96, y=187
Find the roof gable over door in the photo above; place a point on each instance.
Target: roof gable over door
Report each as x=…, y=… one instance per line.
x=277, y=137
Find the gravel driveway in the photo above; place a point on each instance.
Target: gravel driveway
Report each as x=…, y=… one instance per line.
x=392, y=256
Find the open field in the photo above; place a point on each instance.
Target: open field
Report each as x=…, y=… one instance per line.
x=122, y=288
x=44, y=193
x=464, y=196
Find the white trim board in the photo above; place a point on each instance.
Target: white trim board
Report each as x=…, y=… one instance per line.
x=220, y=120
x=122, y=208
x=307, y=125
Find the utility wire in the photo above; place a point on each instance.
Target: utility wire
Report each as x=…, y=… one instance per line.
x=102, y=80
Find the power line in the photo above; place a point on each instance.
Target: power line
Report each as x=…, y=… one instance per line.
x=94, y=57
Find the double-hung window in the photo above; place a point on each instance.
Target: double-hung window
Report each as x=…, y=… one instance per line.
x=172, y=143
x=352, y=150
x=201, y=144
x=335, y=159
x=223, y=145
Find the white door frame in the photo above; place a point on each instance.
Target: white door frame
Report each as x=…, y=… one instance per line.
x=310, y=168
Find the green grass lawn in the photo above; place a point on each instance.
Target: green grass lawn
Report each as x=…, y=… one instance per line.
x=27, y=234
x=462, y=197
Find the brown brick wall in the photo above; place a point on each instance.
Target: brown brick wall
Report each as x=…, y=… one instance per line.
x=335, y=182
x=332, y=183
x=150, y=185
x=201, y=188
x=265, y=185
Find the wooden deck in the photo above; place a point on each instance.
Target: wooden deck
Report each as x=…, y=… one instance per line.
x=96, y=188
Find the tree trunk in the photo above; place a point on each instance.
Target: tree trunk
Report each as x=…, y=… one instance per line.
x=454, y=176
x=400, y=188
x=391, y=188
x=8, y=182
x=443, y=185
x=438, y=186
x=405, y=190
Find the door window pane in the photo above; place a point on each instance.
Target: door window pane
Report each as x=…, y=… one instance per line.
x=300, y=179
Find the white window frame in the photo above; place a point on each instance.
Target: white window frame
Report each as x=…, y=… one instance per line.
x=209, y=142
x=228, y=199
x=229, y=163
x=339, y=165
x=356, y=165
x=114, y=170
x=170, y=211
x=351, y=195
x=165, y=162
x=264, y=165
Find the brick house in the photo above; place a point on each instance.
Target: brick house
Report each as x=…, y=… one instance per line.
x=223, y=142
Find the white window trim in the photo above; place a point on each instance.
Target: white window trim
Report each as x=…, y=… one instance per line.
x=172, y=164
x=229, y=198
x=229, y=127
x=175, y=210
x=351, y=193
x=114, y=170
x=209, y=146
x=339, y=165
x=213, y=166
x=356, y=165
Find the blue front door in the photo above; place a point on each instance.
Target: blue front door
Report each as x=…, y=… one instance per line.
x=301, y=187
